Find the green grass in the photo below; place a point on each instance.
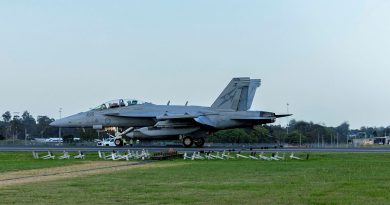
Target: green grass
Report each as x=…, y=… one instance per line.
x=16, y=161
x=324, y=179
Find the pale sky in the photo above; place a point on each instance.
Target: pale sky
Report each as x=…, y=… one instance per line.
x=330, y=59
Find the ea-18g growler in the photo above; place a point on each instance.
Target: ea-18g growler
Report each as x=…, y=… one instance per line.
x=190, y=124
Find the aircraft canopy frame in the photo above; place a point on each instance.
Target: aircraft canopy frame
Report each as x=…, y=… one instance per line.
x=119, y=103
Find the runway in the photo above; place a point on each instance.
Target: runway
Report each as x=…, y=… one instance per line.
x=182, y=149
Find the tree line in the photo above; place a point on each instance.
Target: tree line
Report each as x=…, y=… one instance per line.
x=25, y=126
x=298, y=132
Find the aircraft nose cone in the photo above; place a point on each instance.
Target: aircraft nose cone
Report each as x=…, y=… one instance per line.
x=77, y=120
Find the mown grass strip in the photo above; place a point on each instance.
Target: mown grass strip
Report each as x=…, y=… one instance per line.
x=324, y=179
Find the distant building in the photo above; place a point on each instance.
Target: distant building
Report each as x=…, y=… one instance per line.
x=362, y=142
x=371, y=141
x=382, y=140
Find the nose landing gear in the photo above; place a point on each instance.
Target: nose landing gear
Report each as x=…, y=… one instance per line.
x=119, y=142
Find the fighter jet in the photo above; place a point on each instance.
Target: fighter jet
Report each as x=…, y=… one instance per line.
x=190, y=124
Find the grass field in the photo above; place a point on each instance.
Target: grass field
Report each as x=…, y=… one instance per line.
x=16, y=161
x=324, y=179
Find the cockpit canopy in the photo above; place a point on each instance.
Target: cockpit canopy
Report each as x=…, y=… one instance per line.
x=119, y=103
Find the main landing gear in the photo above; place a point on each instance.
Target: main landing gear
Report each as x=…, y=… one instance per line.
x=189, y=141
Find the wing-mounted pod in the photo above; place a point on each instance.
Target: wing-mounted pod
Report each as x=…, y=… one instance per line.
x=154, y=132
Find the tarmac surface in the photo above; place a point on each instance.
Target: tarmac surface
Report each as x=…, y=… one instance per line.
x=182, y=149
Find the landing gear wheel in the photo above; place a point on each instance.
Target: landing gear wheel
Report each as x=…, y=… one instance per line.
x=119, y=142
x=199, y=142
x=188, y=141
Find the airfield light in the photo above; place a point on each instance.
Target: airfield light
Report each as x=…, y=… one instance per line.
x=59, y=129
x=288, y=122
x=15, y=132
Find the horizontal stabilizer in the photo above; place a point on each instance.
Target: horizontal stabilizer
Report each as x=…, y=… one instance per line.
x=204, y=120
x=252, y=118
x=283, y=115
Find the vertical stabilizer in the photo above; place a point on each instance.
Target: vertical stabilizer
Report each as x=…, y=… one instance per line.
x=253, y=85
x=238, y=95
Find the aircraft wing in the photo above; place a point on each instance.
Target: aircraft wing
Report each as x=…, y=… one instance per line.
x=261, y=118
x=133, y=114
x=184, y=116
x=158, y=115
x=177, y=117
x=187, y=119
